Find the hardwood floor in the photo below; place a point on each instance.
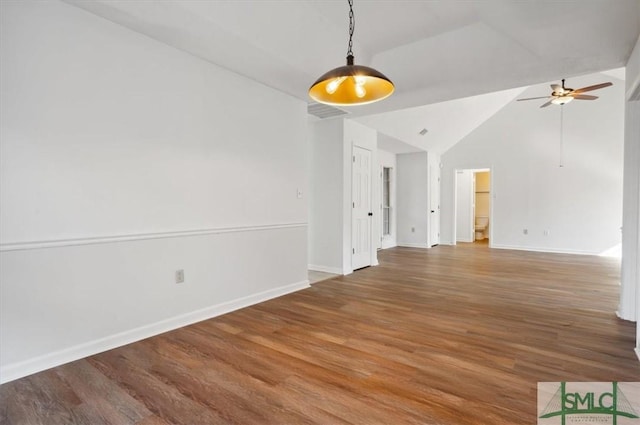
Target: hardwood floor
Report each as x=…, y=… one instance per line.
x=451, y=335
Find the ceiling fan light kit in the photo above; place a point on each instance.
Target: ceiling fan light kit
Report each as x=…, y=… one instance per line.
x=561, y=100
x=351, y=84
x=562, y=95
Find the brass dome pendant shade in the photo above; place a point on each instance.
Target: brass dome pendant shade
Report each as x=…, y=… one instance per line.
x=351, y=84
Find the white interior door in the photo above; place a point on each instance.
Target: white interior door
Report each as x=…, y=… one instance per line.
x=465, y=229
x=434, y=205
x=362, y=212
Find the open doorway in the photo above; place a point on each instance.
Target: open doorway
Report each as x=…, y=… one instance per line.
x=473, y=219
x=387, y=220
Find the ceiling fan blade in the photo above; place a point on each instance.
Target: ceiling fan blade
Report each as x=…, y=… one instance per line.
x=585, y=97
x=544, y=105
x=533, y=98
x=595, y=87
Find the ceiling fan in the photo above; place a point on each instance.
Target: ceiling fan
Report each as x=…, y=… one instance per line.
x=561, y=94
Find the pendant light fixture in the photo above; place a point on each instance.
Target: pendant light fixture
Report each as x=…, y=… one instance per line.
x=351, y=84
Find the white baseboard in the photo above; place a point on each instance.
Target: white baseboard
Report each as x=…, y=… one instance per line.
x=536, y=249
x=413, y=245
x=18, y=370
x=334, y=270
x=622, y=317
x=388, y=244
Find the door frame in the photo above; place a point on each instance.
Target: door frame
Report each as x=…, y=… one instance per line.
x=372, y=244
x=384, y=241
x=491, y=201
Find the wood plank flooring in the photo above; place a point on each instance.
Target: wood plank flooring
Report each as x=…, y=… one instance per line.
x=447, y=336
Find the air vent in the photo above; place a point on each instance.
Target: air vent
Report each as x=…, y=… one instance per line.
x=323, y=111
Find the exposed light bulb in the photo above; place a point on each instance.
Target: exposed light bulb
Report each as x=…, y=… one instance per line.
x=359, y=86
x=334, y=84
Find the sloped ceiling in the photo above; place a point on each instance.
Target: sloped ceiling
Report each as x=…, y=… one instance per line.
x=451, y=121
x=434, y=51
x=446, y=122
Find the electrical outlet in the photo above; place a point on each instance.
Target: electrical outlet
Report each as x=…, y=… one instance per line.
x=525, y=231
x=546, y=233
x=180, y=276
x=299, y=193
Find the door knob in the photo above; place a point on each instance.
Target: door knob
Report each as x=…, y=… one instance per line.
x=432, y=211
x=370, y=214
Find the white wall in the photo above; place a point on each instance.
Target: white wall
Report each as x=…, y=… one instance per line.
x=412, y=199
x=326, y=165
x=388, y=160
x=630, y=282
x=580, y=205
x=331, y=150
x=123, y=160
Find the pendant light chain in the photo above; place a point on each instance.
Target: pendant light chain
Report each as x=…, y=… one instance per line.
x=352, y=27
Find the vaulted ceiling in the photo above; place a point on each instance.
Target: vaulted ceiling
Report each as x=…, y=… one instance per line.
x=434, y=51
